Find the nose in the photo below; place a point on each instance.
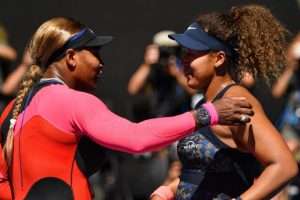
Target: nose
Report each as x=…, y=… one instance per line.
x=101, y=63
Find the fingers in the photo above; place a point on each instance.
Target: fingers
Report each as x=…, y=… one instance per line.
x=245, y=111
x=233, y=110
x=240, y=102
x=235, y=119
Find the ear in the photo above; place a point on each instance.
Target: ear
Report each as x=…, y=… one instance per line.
x=219, y=58
x=71, y=58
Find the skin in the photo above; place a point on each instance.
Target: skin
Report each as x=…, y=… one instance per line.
x=138, y=79
x=208, y=71
x=80, y=70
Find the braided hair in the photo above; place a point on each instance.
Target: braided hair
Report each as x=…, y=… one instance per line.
x=49, y=37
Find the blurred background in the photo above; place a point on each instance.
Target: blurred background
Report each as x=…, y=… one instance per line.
x=133, y=23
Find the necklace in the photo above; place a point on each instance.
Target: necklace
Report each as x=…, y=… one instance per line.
x=223, y=85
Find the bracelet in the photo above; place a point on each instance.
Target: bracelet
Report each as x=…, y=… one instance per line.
x=238, y=198
x=163, y=192
x=214, y=118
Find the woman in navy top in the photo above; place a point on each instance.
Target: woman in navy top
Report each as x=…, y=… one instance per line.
x=219, y=162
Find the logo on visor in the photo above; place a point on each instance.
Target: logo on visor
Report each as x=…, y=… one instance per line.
x=91, y=30
x=191, y=28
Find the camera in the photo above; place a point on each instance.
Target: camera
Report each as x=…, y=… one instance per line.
x=165, y=52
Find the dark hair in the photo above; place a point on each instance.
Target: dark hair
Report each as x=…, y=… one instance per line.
x=258, y=37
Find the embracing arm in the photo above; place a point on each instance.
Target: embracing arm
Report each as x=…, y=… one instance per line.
x=262, y=139
x=91, y=117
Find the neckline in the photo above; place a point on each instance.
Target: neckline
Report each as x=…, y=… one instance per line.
x=53, y=79
x=222, y=87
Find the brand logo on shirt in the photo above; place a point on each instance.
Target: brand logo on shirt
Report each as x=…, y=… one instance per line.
x=190, y=145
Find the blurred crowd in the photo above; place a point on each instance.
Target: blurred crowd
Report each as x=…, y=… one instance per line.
x=158, y=88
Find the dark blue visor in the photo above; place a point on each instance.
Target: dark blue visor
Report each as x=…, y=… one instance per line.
x=84, y=38
x=196, y=38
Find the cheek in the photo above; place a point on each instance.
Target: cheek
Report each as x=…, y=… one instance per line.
x=202, y=74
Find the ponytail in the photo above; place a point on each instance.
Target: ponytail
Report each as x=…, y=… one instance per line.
x=261, y=42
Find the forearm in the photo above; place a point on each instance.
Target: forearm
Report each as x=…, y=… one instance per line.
x=272, y=180
x=149, y=135
x=7, y=53
x=281, y=85
x=11, y=84
x=138, y=79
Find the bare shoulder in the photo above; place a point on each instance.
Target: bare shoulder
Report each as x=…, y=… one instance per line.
x=240, y=91
x=258, y=127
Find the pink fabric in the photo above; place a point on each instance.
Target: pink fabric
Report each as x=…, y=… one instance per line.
x=163, y=192
x=1, y=176
x=214, y=118
x=81, y=113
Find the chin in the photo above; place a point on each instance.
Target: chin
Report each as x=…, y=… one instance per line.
x=191, y=84
x=86, y=88
x=194, y=86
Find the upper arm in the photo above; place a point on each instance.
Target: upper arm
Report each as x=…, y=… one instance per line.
x=261, y=138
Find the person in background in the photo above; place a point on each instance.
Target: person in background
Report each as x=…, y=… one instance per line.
x=11, y=84
x=157, y=88
x=288, y=87
x=52, y=132
x=8, y=56
x=220, y=162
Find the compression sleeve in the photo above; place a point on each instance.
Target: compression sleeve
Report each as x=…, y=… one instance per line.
x=80, y=113
x=92, y=118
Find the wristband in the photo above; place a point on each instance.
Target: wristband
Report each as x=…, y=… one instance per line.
x=164, y=192
x=214, y=118
x=238, y=198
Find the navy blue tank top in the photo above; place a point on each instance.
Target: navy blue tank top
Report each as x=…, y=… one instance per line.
x=210, y=168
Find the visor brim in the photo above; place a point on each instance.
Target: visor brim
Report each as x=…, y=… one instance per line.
x=188, y=42
x=99, y=41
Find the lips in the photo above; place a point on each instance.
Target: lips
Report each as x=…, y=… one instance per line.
x=99, y=73
x=187, y=72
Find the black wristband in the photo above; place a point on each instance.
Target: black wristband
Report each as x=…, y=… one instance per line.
x=202, y=117
x=238, y=198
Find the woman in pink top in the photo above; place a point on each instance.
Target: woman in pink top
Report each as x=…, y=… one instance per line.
x=48, y=133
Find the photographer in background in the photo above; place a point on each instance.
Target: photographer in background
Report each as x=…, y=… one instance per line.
x=159, y=89
x=8, y=56
x=158, y=85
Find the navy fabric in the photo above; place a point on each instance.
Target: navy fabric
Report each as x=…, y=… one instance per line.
x=212, y=169
x=196, y=38
x=85, y=38
x=50, y=188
